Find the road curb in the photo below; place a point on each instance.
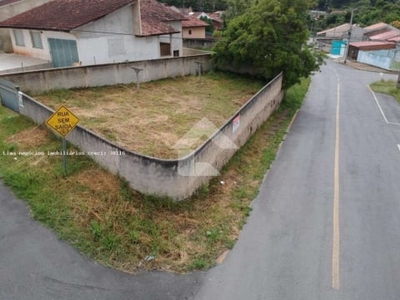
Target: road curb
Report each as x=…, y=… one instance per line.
x=288, y=130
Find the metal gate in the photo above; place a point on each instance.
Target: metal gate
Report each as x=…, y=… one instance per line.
x=9, y=95
x=63, y=52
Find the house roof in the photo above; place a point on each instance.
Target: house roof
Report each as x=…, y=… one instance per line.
x=66, y=15
x=385, y=36
x=373, y=45
x=199, y=14
x=377, y=26
x=6, y=2
x=63, y=15
x=154, y=15
x=194, y=22
x=394, y=39
x=338, y=29
x=216, y=17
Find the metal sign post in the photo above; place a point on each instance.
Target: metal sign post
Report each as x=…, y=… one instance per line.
x=64, y=150
x=137, y=70
x=63, y=121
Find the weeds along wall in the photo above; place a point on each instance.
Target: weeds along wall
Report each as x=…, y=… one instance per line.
x=178, y=178
x=108, y=74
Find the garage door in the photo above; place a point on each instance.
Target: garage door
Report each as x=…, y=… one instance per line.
x=63, y=52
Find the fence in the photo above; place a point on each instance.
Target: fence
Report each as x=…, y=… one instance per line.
x=9, y=95
x=108, y=74
x=177, y=178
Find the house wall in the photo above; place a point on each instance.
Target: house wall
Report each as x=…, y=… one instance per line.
x=111, y=39
x=199, y=43
x=178, y=178
x=107, y=74
x=174, y=39
x=10, y=10
x=43, y=53
x=378, y=58
x=196, y=33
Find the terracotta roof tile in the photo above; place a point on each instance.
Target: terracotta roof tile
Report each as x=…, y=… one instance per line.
x=373, y=45
x=194, y=22
x=64, y=15
x=394, y=39
x=216, y=17
x=385, y=35
x=154, y=15
x=6, y=2
x=376, y=26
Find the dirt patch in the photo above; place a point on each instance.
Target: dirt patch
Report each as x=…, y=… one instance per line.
x=30, y=138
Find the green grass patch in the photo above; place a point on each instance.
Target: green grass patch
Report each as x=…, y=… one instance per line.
x=386, y=87
x=101, y=216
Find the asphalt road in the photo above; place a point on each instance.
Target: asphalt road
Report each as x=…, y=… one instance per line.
x=326, y=224
x=36, y=265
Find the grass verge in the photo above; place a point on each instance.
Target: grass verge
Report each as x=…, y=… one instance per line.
x=386, y=87
x=97, y=212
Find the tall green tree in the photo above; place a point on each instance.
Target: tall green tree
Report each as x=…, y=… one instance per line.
x=268, y=38
x=236, y=8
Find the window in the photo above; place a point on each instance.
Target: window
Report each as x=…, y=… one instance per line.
x=165, y=49
x=19, y=37
x=190, y=31
x=176, y=53
x=36, y=39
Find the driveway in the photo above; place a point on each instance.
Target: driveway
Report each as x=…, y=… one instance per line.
x=10, y=63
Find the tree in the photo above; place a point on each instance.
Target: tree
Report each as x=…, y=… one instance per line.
x=210, y=28
x=237, y=8
x=268, y=38
x=396, y=24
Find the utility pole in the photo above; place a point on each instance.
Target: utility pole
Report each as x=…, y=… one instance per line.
x=348, y=39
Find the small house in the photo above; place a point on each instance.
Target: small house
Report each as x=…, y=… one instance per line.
x=69, y=32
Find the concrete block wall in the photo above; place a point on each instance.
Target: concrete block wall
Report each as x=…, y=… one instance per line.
x=176, y=178
x=107, y=74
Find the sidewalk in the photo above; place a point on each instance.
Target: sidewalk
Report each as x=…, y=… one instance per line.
x=10, y=62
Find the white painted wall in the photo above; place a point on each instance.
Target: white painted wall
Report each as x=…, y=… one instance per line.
x=111, y=39
x=44, y=53
x=378, y=58
x=177, y=41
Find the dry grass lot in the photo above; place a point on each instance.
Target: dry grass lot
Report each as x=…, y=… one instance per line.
x=152, y=121
x=98, y=214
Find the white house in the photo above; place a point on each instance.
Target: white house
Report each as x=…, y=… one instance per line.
x=10, y=8
x=97, y=31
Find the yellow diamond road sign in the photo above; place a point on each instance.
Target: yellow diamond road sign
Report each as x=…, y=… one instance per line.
x=63, y=121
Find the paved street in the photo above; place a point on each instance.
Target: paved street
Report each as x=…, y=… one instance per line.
x=35, y=265
x=326, y=224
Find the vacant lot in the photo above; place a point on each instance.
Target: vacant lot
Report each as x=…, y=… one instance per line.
x=97, y=213
x=152, y=121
